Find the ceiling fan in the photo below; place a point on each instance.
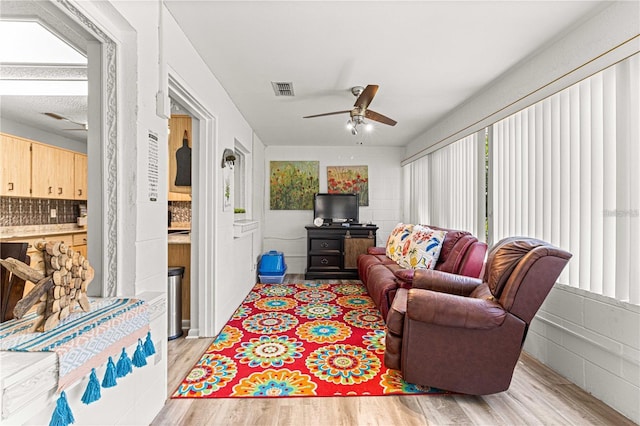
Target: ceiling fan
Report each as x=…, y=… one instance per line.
x=83, y=126
x=360, y=109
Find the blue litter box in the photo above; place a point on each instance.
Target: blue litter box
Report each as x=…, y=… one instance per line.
x=272, y=268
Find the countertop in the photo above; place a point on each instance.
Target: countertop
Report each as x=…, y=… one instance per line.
x=183, y=237
x=30, y=231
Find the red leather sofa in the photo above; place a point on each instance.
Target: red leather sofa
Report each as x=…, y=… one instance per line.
x=461, y=254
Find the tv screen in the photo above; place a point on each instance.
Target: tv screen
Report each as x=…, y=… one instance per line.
x=336, y=207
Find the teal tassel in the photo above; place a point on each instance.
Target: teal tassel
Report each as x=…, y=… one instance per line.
x=92, y=392
x=124, y=365
x=149, y=349
x=109, y=379
x=139, y=358
x=62, y=415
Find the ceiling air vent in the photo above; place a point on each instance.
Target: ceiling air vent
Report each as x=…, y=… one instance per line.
x=283, y=88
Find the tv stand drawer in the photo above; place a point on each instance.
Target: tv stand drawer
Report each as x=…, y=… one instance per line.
x=325, y=244
x=325, y=262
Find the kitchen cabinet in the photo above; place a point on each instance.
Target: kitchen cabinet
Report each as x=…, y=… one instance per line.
x=178, y=124
x=79, y=176
x=15, y=166
x=79, y=243
x=51, y=172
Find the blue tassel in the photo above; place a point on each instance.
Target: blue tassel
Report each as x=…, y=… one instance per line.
x=139, y=358
x=109, y=379
x=149, y=349
x=92, y=392
x=62, y=415
x=124, y=365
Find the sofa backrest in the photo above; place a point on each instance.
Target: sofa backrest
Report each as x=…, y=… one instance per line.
x=455, y=245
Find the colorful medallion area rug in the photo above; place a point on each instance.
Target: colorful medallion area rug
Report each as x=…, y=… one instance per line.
x=290, y=340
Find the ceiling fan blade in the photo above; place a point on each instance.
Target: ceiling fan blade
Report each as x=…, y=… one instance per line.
x=60, y=117
x=328, y=113
x=54, y=115
x=366, y=96
x=375, y=116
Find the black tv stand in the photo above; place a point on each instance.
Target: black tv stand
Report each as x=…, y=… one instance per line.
x=332, y=250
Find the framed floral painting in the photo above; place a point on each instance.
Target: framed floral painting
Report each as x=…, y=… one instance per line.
x=349, y=179
x=293, y=183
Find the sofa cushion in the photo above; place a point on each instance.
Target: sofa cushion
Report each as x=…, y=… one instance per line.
x=423, y=248
x=397, y=240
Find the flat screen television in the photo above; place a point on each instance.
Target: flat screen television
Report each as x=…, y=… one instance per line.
x=336, y=207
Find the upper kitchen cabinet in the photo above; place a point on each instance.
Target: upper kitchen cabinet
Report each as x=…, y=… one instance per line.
x=15, y=170
x=52, y=172
x=180, y=139
x=80, y=176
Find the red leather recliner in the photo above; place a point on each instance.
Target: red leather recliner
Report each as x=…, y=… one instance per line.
x=461, y=254
x=465, y=334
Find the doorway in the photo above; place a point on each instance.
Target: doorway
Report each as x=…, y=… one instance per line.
x=72, y=26
x=203, y=218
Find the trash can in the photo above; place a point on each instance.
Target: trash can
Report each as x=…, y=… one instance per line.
x=174, y=302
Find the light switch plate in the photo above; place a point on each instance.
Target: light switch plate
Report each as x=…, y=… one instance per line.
x=54, y=213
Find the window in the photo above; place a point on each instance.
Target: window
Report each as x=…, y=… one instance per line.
x=447, y=187
x=567, y=170
x=240, y=179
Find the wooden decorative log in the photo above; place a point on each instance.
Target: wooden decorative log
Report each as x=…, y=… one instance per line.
x=48, y=269
x=42, y=287
x=23, y=271
x=57, y=278
x=64, y=313
x=84, y=302
x=55, y=264
x=38, y=324
x=53, y=248
x=62, y=282
x=51, y=322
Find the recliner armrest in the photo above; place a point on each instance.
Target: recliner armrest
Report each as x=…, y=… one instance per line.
x=449, y=310
x=444, y=282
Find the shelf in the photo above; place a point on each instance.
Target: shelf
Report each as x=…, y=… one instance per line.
x=244, y=227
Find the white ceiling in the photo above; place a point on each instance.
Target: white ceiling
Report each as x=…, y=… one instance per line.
x=426, y=56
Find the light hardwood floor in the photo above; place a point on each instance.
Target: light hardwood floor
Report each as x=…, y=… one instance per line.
x=537, y=396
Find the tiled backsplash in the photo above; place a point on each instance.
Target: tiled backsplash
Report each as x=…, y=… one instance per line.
x=37, y=211
x=180, y=211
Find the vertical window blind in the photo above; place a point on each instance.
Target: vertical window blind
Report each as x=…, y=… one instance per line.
x=446, y=187
x=567, y=170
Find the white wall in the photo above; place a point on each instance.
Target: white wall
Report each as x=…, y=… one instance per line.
x=591, y=340
x=143, y=258
x=284, y=229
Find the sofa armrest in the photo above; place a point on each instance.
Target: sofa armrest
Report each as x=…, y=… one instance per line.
x=376, y=250
x=449, y=310
x=444, y=282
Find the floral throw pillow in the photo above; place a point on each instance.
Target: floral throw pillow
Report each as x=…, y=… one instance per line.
x=397, y=239
x=423, y=248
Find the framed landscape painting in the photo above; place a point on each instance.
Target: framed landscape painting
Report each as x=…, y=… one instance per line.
x=349, y=179
x=293, y=183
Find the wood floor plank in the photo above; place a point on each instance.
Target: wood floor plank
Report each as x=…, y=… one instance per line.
x=537, y=396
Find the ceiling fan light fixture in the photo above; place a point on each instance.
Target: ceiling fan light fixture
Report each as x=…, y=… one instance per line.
x=368, y=127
